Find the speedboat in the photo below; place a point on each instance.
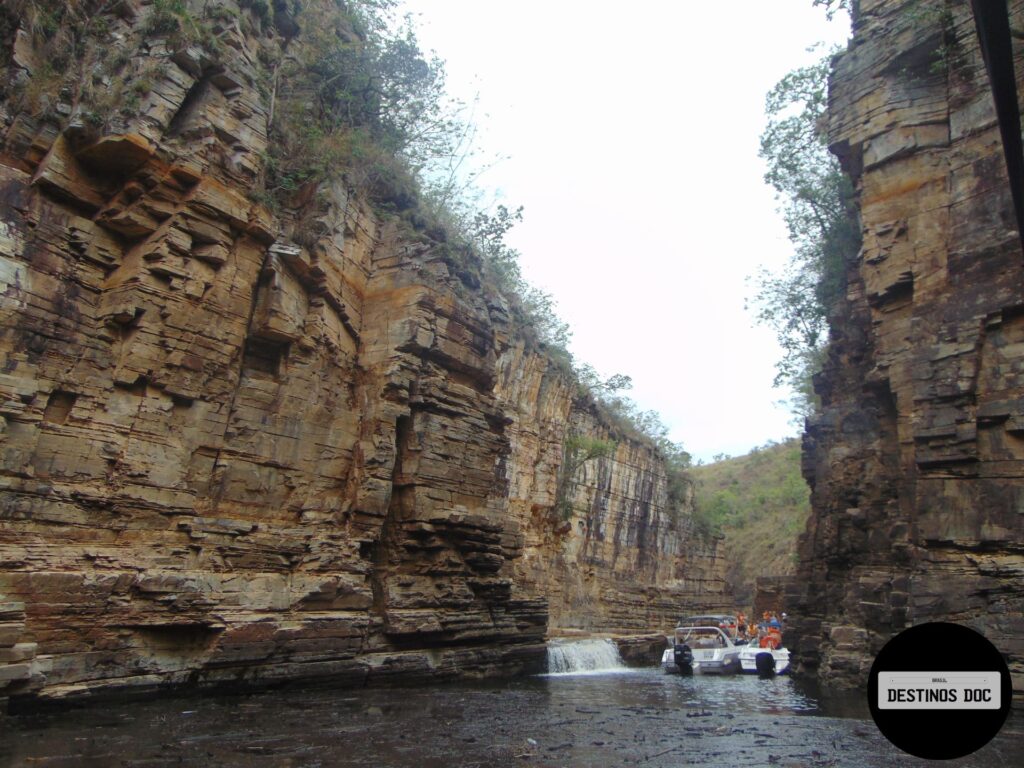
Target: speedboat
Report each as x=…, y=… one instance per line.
x=765, y=661
x=701, y=650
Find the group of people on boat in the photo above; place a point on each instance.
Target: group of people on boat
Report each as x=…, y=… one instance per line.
x=766, y=633
x=727, y=643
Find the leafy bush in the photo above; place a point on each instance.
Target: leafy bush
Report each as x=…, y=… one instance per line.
x=168, y=17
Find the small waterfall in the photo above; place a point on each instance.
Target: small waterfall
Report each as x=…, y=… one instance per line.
x=583, y=656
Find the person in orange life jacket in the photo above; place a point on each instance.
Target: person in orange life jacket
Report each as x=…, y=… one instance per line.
x=773, y=637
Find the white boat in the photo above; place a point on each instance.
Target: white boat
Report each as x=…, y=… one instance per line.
x=701, y=650
x=778, y=664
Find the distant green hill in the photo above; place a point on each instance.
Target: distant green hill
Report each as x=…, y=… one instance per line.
x=760, y=503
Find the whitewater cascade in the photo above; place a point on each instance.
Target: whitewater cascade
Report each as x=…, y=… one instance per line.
x=577, y=656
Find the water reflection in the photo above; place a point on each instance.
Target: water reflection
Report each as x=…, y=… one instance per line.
x=641, y=716
x=738, y=694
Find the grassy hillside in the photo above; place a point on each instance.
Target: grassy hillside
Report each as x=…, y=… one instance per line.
x=760, y=503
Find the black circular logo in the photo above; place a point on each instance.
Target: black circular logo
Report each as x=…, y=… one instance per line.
x=939, y=691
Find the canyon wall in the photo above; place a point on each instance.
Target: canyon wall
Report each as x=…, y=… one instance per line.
x=916, y=462
x=242, y=445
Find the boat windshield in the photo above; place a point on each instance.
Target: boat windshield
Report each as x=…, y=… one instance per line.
x=707, y=620
x=701, y=637
x=723, y=621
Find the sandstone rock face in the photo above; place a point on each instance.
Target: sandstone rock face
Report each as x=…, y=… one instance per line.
x=241, y=447
x=917, y=461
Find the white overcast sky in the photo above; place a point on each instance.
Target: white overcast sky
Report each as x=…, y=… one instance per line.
x=633, y=132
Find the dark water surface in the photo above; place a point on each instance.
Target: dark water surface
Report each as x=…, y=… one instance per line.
x=637, y=717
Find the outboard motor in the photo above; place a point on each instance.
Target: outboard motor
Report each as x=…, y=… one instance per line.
x=765, y=664
x=683, y=657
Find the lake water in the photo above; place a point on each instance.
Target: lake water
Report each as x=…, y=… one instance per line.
x=634, y=717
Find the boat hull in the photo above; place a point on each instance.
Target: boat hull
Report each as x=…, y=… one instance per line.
x=727, y=666
x=723, y=667
x=701, y=650
x=748, y=660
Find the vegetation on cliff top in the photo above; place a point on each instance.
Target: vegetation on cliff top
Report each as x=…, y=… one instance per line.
x=820, y=212
x=760, y=504
x=356, y=98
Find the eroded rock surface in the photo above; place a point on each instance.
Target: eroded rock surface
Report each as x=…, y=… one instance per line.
x=917, y=461
x=240, y=446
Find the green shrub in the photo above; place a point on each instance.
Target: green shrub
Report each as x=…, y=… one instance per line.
x=576, y=452
x=167, y=17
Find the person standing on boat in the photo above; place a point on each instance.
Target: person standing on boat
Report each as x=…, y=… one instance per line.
x=774, y=632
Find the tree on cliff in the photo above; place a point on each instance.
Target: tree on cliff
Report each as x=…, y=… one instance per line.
x=486, y=231
x=832, y=7
x=819, y=210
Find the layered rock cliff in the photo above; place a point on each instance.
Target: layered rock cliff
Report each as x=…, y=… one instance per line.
x=917, y=459
x=242, y=445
